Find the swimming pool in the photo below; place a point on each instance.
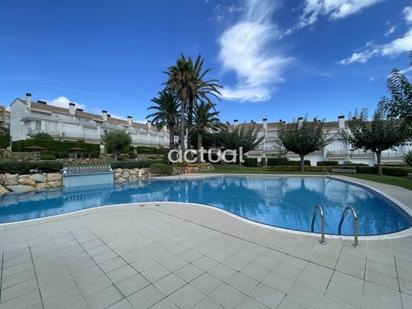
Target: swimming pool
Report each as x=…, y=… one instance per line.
x=285, y=202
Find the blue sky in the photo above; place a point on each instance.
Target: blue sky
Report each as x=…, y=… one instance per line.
x=278, y=59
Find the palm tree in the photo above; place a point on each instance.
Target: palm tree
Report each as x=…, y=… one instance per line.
x=205, y=118
x=166, y=113
x=186, y=82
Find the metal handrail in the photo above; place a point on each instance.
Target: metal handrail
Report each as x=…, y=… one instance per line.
x=325, y=171
x=322, y=223
x=355, y=223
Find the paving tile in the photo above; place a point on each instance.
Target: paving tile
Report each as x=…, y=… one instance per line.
x=155, y=272
x=132, y=284
x=222, y=272
x=305, y=295
x=207, y=303
x=186, y=297
x=255, y=272
x=112, y=264
x=267, y=296
x=242, y=282
x=189, y=272
x=206, y=283
x=145, y=297
x=123, y=304
x=288, y=304
x=205, y=263
x=104, y=298
x=121, y=273
x=227, y=296
x=278, y=282
x=169, y=284
x=18, y=290
x=164, y=304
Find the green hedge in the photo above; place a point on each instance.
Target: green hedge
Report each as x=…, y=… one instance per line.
x=53, y=146
x=388, y=171
x=24, y=167
x=327, y=163
x=250, y=162
x=281, y=168
x=284, y=162
x=47, y=156
x=133, y=164
x=151, y=150
x=4, y=141
x=161, y=169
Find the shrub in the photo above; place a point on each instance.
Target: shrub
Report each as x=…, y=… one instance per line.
x=4, y=141
x=43, y=136
x=151, y=150
x=24, y=167
x=47, y=156
x=133, y=164
x=408, y=158
x=53, y=146
x=49, y=166
x=281, y=168
x=388, y=171
x=284, y=162
x=250, y=162
x=161, y=169
x=327, y=163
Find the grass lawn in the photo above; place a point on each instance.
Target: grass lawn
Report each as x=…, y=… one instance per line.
x=390, y=180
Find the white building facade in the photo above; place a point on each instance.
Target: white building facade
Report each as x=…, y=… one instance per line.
x=29, y=118
x=335, y=151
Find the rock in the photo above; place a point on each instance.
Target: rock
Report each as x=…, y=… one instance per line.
x=23, y=176
x=10, y=180
x=20, y=188
x=125, y=174
x=27, y=182
x=117, y=175
x=54, y=184
x=38, y=178
x=121, y=180
x=133, y=178
x=118, y=170
x=3, y=190
x=54, y=176
x=132, y=172
x=41, y=186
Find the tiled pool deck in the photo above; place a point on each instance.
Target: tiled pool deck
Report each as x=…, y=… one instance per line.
x=182, y=256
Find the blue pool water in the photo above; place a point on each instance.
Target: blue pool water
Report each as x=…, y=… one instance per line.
x=285, y=202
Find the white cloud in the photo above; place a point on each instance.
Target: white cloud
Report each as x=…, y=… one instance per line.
x=244, y=50
x=393, y=48
x=332, y=9
x=63, y=102
x=390, y=30
x=407, y=14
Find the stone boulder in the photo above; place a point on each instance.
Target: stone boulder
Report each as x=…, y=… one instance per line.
x=11, y=180
x=3, y=190
x=132, y=172
x=133, y=178
x=54, y=177
x=41, y=186
x=118, y=170
x=38, y=178
x=21, y=188
x=54, y=184
x=121, y=180
x=27, y=182
x=125, y=174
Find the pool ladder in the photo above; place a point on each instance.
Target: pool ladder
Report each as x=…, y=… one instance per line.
x=318, y=209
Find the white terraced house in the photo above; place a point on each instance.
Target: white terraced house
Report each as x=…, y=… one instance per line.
x=335, y=151
x=29, y=118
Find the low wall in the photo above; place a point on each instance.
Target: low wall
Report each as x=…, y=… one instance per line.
x=122, y=175
x=26, y=183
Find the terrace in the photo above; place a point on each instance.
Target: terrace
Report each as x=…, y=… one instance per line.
x=172, y=255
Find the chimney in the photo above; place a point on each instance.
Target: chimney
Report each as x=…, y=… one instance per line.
x=104, y=115
x=79, y=109
x=72, y=108
x=235, y=123
x=149, y=124
x=265, y=123
x=341, y=121
x=130, y=120
x=300, y=122
x=28, y=99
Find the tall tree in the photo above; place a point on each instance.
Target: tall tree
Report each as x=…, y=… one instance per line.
x=303, y=138
x=117, y=141
x=166, y=113
x=379, y=134
x=205, y=119
x=244, y=136
x=400, y=102
x=186, y=80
